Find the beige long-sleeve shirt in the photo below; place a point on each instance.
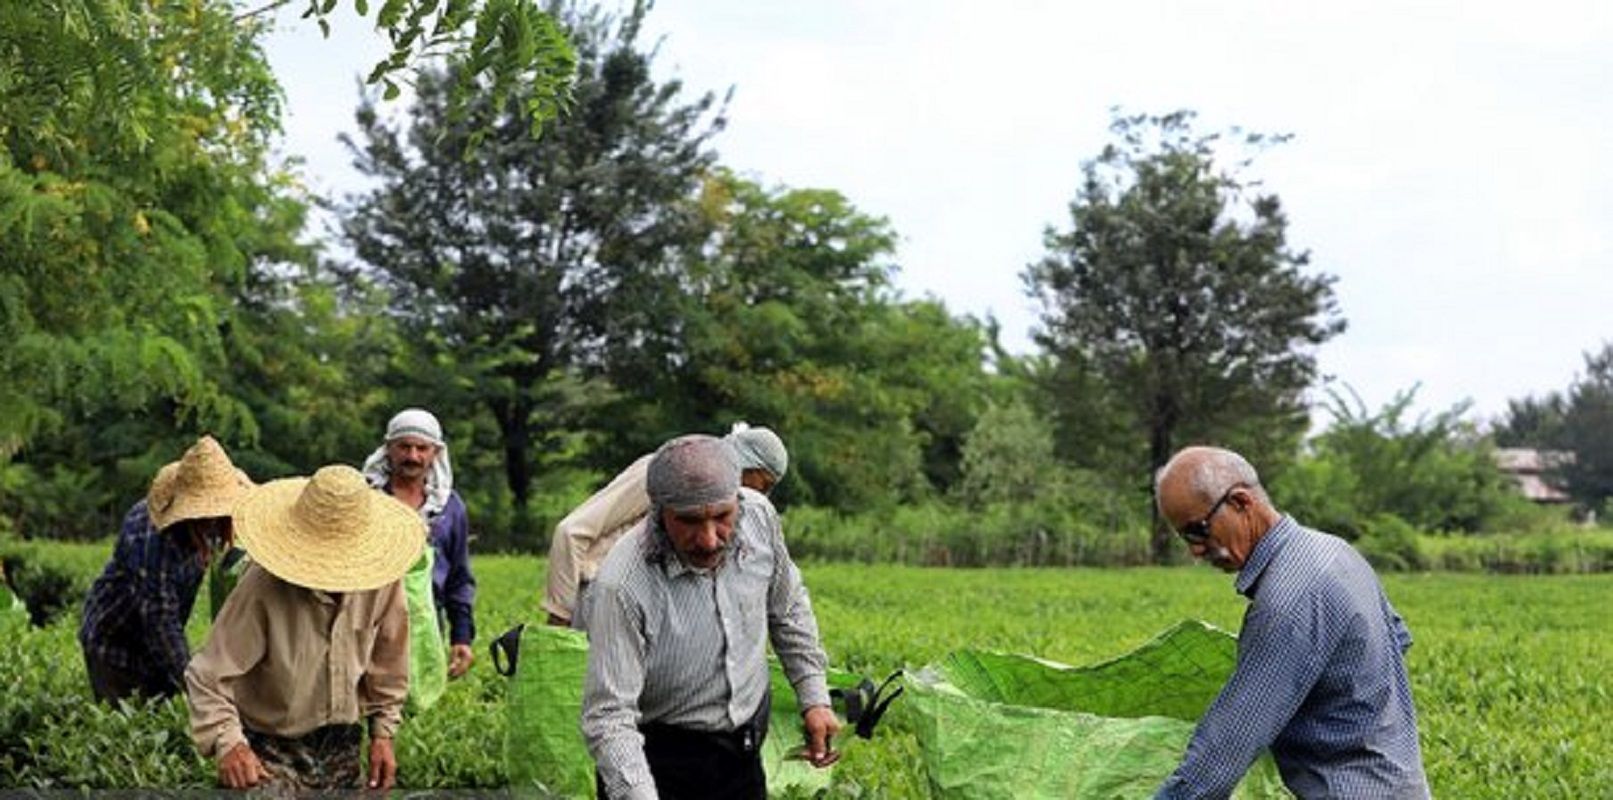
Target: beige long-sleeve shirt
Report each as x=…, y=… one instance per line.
x=583, y=539
x=285, y=660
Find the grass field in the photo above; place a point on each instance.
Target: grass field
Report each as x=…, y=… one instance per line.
x=1510, y=673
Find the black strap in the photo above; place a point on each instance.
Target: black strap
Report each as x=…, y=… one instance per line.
x=866, y=703
x=509, y=647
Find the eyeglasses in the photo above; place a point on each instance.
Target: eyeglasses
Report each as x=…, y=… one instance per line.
x=1199, y=532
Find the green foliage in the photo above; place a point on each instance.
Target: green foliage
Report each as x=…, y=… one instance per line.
x=1008, y=457
x=1175, y=291
x=1507, y=672
x=1082, y=526
x=787, y=318
x=1437, y=474
x=132, y=173
x=510, y=274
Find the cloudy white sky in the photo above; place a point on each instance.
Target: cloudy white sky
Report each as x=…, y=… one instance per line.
x=1449, y=163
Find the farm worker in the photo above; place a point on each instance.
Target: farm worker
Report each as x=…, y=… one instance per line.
x=133, y=629
x=314, y=639
x=675, y=701
x=582, y=539
x=412, y=465
x=1321, y=675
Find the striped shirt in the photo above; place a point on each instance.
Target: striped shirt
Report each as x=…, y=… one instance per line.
x=1321, y=680
x=688, y=647
x=134, y=618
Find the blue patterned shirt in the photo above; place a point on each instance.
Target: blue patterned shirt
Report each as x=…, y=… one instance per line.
x=134, y=618
x=1321, y=680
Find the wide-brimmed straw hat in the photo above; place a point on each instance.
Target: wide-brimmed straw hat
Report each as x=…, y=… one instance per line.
x=331, y=532
x=201, y=484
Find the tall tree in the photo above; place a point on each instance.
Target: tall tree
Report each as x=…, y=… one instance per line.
x=1176, y=287
x=1587, y=431
x=519, y=270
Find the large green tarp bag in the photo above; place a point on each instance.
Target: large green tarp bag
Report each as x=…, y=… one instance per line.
x=543, y=746
x=428, y=658
x=993, y=725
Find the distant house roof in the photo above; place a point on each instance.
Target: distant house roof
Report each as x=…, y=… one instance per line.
x=1526, y=465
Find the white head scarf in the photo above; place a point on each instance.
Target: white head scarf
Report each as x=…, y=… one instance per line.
x=422, y=424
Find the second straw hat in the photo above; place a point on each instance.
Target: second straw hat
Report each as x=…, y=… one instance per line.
x=331, y=532
x=201, y=484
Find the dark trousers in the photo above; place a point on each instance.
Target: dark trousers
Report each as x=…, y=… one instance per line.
x=697, y=765
x=705, y=765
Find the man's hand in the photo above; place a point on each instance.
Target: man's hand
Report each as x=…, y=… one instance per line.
x=821, y=726
x=383, y=765
x=460, y=657
x=240, y=768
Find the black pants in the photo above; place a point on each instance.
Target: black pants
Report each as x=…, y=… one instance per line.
x=705, y=765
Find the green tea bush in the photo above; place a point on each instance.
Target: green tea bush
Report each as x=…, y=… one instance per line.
x=51, y=579
x=1508, y=671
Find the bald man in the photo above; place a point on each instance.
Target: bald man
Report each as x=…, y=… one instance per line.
x=1321, y=676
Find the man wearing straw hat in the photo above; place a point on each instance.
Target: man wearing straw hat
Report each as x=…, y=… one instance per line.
x=675, y=700
x=313, y=641
x=586, y=535
x=412, y=465
x=133, y=629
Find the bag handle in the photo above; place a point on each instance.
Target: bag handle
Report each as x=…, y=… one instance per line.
x=506, y=651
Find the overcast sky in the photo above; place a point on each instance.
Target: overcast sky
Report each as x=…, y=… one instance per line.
x=1449, y=163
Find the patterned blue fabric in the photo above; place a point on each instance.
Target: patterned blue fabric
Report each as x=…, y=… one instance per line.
x=451, y=580
x=134, y=618
x=1321, y=680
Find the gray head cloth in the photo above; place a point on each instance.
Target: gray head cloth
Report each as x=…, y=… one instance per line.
x=759, y=448
x=692, y=471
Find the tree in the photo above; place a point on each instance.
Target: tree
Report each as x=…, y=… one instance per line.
x=1435, y=472
x=786, y=317
x=134, y=188
x=1587, y=430
x=1175, y=290
x=519, y=272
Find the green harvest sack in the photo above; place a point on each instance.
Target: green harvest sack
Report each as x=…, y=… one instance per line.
x=222, y=576
x=993, y=725
x=543, y=744
x=428, y=657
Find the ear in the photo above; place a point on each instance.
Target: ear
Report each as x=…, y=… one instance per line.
x=1241, y=498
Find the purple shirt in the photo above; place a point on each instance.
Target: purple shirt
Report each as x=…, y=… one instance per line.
x=451, y=580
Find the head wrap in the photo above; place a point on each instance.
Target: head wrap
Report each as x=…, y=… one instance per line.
x=421, y=424
x=692, y=471
x=759, y=448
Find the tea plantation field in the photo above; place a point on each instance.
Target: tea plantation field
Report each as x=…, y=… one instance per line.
x=1510, y=673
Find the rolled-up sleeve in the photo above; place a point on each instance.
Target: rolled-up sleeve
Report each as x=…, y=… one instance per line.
x=236, y=643
x=610, y=710
x=793, y=628
x=385, y=684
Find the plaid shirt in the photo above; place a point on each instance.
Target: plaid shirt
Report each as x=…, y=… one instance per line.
x=134, y=618
x=1321, y=680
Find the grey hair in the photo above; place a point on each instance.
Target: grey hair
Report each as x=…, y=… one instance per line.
x=1213, y=473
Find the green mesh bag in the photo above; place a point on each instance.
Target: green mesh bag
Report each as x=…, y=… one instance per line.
x=994, y=725
x=544, y=751
x=428, y=658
